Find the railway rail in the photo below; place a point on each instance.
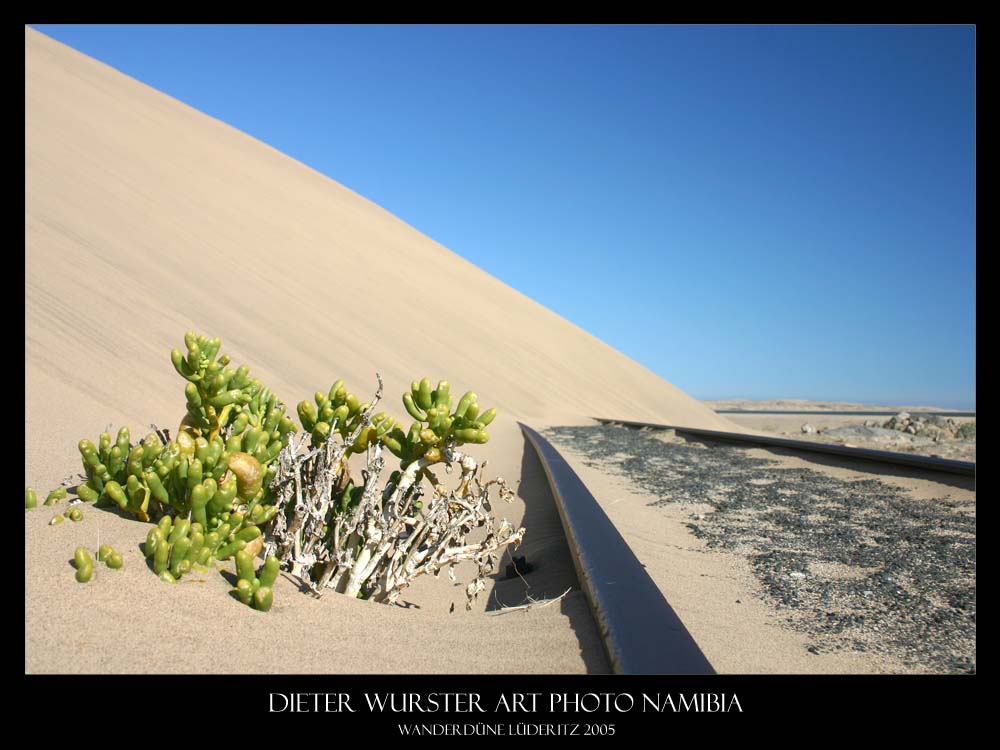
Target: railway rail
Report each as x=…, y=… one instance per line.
x=641, y=632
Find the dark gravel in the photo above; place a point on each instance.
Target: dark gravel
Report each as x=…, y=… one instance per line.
x=856, y=564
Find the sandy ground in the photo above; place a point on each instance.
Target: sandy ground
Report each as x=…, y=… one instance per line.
x=790, y=426
x=715, y=595
x=798, y=404
x=715, y=590
x=145, y=218
x=128, y=621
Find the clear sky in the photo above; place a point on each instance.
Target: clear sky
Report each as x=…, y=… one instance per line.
x=748, y=211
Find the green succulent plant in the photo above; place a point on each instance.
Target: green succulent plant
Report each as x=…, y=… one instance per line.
x=338, y=412
x=232, y=432
x=252, y=589
x=437, y=422
x=209, y=488
x=176, y=545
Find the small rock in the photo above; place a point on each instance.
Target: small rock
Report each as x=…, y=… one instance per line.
x=934, y=431
x=518, y=568
x=796, y=574
x=808, y=429
x=899, y=422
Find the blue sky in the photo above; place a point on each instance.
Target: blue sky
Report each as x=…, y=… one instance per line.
x=748, y=211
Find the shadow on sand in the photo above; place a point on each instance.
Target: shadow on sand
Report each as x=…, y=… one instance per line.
x=546, y=550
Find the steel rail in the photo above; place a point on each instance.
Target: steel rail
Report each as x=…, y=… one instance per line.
x=948, y=465
x=641, y=632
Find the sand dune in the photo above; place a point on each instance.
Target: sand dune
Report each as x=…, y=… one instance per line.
x=145, y=218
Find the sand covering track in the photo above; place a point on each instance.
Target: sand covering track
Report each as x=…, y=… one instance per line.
x=145, y=218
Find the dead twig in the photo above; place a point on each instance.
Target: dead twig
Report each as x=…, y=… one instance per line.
x=532, y=603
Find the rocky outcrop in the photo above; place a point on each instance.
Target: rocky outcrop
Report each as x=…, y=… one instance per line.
x=932, y=426
x=879, y=437
x=903, y=431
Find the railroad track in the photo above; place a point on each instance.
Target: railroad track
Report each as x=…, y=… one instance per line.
x=947, y=465
x=641, y=632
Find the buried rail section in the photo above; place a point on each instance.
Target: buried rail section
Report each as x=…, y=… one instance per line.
x=948, y=465
x=641, y=632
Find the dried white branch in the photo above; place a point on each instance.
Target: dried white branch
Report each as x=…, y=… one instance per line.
x=380, y=545
x=532, y=603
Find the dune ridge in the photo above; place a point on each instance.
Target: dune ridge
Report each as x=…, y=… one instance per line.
x=145, y=218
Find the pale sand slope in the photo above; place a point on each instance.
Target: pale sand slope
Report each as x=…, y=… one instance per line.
x=145, y=218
